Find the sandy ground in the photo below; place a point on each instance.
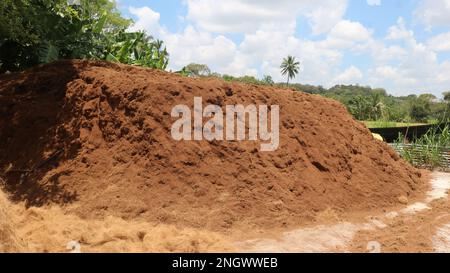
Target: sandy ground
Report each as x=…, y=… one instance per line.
x=422, y=226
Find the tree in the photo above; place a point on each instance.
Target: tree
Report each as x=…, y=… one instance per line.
x=376, y=106
x=419, y=108
x=446, y=112
x=290, y=67
x=41, y=31
x=418, y=112
x=428, y=97
x=268, y=80
x=197, y=70
x=135, y=48
x=446, y=96
x=359, y=107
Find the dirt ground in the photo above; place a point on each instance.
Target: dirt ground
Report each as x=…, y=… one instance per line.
x=422, y=225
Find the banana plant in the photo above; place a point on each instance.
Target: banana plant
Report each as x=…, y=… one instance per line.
x=137, y=48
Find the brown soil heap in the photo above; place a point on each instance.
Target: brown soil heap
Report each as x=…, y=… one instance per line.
x=95, y=138
x=8, y=238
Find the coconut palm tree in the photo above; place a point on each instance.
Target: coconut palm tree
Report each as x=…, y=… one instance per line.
x=290, y=67
x=376, y=106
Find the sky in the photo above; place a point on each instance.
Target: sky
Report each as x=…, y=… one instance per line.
x=402, y=46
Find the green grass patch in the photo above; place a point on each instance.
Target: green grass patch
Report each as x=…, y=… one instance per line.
x=389, y=124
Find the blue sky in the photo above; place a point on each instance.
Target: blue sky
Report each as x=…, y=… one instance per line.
x=400, y=45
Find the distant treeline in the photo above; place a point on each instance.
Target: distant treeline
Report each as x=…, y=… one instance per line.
x=367, y=103
x=363, y=102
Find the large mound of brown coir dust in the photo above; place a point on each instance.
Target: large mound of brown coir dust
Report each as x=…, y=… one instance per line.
x=95, y=138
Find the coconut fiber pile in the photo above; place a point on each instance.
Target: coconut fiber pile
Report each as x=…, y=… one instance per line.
x=95, y=139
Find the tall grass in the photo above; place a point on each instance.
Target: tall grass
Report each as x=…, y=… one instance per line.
x=428, y=150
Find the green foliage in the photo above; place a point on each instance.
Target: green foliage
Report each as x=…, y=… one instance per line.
x=369, y=107
x=420, y=108
x=184, y=72
x=135, y=48
x=196, y=70
x=22, y=24
x=359, y=107
x=419, y=112
x=243, y=79
x=268, y=80
x=48, y=53
x=290, y=67
x=428, y=150
x=446, y=96
x=310, y=89
x=367, y=103
x=41, y=31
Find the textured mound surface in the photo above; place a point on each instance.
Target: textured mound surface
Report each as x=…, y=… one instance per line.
x=9, y=241
x=95, y=138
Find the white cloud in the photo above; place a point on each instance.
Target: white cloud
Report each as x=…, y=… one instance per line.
x=267, y=47
x=434, y=12
x=386, y=72
x=325, y=14
x=196, y=46
x=318, y=61
x=374, y=2
x=399, y=31
x=350, y=76
x=239, y=15
x=401, y=64
x=440, y=42
x=191, y=45
x=348, y=35
x=416, y=67
x=383, y=54
x=350, y=31
x=247, y=16
x=259, y=53
x=148, y=20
